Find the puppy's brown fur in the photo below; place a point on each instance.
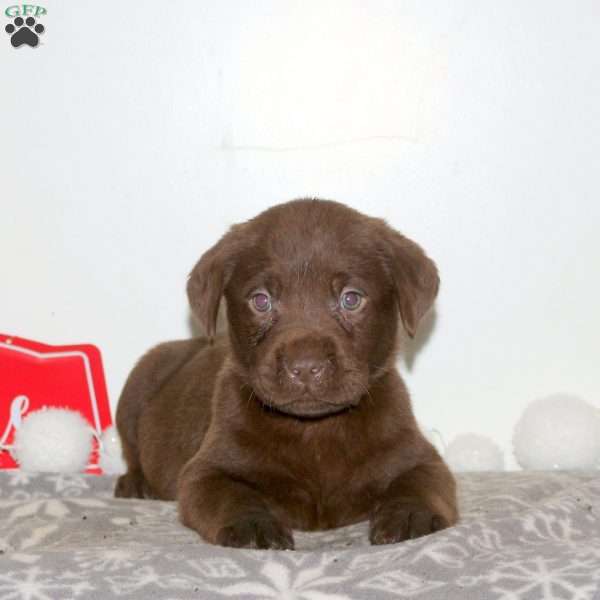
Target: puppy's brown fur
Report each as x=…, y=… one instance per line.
x=297, y=418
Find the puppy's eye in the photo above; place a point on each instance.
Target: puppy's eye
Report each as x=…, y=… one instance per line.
x=261, y=302
x=351, y=299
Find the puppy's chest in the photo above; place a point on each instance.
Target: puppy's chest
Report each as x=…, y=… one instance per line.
x=330, y=482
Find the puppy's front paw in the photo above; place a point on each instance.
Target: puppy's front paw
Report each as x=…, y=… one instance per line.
x=392, y=524
x=256, y=532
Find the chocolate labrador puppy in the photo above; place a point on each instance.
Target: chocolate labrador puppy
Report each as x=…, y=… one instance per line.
x=297, y=419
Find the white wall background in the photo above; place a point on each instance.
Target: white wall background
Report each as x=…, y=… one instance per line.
x=136, y=133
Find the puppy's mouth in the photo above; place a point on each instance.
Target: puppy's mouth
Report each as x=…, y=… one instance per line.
x=304, y=403
x=307, y=407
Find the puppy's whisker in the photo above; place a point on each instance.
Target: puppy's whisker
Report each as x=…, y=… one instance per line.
x=367, y=393
x=252, y=394
x=383, y=370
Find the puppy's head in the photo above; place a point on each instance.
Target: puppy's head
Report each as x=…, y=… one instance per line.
x=313, y=291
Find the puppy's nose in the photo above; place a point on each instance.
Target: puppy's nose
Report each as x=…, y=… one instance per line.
x=306, y=369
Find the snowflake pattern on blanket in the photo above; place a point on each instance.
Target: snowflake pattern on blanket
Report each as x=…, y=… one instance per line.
x=522, y=536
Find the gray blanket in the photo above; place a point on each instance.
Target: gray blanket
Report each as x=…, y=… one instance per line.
x=521, y=536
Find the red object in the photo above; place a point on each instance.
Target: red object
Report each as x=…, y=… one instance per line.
x=52, y=376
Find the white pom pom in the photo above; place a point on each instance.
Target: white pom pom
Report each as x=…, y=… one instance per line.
x=111, y=457
x=472, y=452
x=558, y=432
x=53, y=439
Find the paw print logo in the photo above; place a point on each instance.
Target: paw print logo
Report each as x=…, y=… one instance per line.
x=24, y=32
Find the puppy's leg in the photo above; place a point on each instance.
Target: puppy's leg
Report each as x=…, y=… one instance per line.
x=145, y=380
x=131, y=404
x=228, y=512
x=418, y=502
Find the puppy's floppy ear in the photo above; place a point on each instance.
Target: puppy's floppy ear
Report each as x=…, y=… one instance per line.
x=208, y=279
x=414, y=275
